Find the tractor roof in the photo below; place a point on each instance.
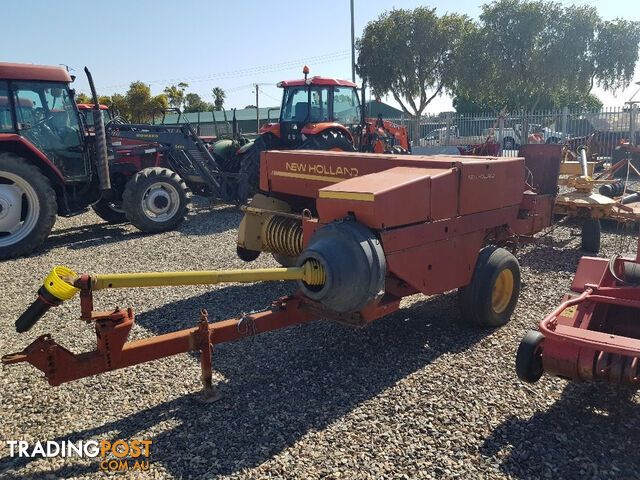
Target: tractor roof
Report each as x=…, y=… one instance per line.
x=89, y=106
x=24, y=71
x=317, y=81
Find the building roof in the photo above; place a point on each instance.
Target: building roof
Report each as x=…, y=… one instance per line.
x=245, y=114
x=24, y=71
x=272, y=113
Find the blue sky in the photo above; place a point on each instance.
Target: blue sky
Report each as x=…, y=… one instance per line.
x=208, y=44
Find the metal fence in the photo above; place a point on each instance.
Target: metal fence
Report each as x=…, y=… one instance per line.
x=601, y=130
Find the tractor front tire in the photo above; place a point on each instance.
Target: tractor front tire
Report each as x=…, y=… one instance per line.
x=28, y=206
x=591, y=232
x=331, y=139
x=529, y=357
x=155, y=200
x=492, y=294
x=109, y=212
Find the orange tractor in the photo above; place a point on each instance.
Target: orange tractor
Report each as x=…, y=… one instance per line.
x=317, y=113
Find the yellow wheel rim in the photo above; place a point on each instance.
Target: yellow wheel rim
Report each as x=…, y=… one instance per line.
x=502, y=291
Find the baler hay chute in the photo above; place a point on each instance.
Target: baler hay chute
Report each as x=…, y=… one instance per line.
x=594, y=334
x=404, y=225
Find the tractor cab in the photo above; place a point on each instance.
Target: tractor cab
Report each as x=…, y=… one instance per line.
x=310, y=106
x=42, y=111
x=86, y=110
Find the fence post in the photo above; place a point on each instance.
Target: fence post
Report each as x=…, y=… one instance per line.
x=565, y=118
x=633, y=120
x=447, y=138
x=501, y=131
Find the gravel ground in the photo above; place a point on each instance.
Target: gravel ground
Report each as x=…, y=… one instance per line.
x=412, y=395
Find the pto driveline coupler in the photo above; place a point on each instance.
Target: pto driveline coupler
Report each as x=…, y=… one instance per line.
x=52, y=293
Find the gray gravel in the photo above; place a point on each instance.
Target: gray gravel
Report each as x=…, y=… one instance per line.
x=413, y=395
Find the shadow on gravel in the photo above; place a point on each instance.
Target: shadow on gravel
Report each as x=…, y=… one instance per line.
x=200, y=222
x=551, y=258
x=282, y=384
x=87, y=236
x=206, y=220
x=591, y=432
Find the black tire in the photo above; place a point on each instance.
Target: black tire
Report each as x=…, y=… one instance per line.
x=285, y=260
x=591, y=235
x=109, y=212
x=155, y=200
x=250, y=166
x=247, y=255
x=508, y=143
x=38, y=206
x=477, y=302
x=331, y=139
x=529, y=357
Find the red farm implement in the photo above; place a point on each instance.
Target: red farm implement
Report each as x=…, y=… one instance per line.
x=594, y=334
x=403, y=225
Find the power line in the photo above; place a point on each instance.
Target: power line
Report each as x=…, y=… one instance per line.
x=261, y=69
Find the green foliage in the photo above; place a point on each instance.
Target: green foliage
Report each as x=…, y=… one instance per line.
x=175, y=94
x=83, y=98
x=219, y=96
x=539, y=54
x=193, y=103
x=409, y=53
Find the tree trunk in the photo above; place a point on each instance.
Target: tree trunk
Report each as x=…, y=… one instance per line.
x=415, y=136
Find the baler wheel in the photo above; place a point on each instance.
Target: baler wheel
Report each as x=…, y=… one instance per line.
x=529, y=357
x=492, y=294
x=591, y=235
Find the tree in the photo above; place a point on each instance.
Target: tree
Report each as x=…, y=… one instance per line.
x=175, y=94
x=83, y=98
x=193, y=103
x=536, y=54
x=219, y=96
x=137, y=98
x=410, y=53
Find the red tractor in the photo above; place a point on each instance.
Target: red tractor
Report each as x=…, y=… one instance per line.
x=52, y=163
x=317, y=113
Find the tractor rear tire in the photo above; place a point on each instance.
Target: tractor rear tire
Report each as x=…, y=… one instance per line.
x=155, y=200
x=492, y=294
x=109, y=212
x=591, y=231
x=250, y=166
x=331, y=139
x=28, y=206
x=529, y=357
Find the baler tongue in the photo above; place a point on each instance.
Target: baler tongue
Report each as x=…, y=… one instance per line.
x=112, y=328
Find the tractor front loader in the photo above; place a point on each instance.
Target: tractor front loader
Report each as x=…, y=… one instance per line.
x=406, y=225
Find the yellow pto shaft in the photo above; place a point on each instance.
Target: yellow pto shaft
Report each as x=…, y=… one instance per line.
x=311, y=273
x=63, y=283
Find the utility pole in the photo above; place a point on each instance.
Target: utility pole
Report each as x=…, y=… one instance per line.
x=257, y=110
x=353, y=48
